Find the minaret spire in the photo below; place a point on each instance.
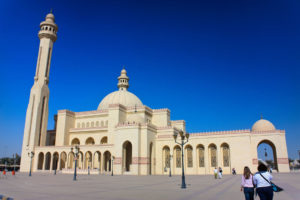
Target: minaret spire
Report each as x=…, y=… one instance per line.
x=123, y=83
x=37, y=111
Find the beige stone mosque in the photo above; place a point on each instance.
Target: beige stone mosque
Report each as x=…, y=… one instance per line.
x=126, y=136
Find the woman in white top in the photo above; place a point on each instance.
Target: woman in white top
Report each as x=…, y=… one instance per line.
x=263, y=187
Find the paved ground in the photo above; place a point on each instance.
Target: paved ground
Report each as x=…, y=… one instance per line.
x=48, y=186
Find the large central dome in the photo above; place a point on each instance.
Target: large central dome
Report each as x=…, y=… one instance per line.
x=122, y=96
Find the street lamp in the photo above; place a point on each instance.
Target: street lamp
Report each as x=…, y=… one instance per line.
x=31, y=154
x=112, y=165
x=184, y=139
x=170, y=158
x=266, y=154
x=76, y=151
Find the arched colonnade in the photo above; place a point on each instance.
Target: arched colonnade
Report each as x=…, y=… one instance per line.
x=66, y=160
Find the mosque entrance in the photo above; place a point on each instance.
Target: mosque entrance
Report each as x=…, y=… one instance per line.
x=266, y=151
x=127, y=156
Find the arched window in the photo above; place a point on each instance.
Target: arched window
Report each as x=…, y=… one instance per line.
x=213, y=155
x=90, y=141
x=88, y=124
x=97, y=123
x=78, y=125
x=189, y=155
x=102, y=123
x=92, y=124
x=106, y=122
x=104, y=140
x=225, y=151
x=83, y=125
x=200, y=149
x=75, y=141
x=177, y=154
x=166, y=157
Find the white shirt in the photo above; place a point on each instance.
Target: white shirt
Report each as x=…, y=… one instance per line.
x=259, y=181
x=215, y=171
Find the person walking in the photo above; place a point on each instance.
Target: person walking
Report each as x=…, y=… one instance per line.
x=263, y=187
x=220, y=172
x=216, y=173
x=247, y=184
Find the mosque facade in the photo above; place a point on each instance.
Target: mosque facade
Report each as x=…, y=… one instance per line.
x=126, y=136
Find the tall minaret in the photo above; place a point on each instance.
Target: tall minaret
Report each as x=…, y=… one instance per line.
x=37, y=111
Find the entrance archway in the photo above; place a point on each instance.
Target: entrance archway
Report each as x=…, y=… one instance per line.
x=48, y=161
x=150, y=158
x=266, y=151
x=88, y=160
x=127, y=156
x=107, y=161
x=41, y=160
x=55, y=161
x=63, y=159
x=97, y=160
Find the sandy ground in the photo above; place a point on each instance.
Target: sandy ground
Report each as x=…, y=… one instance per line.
x=48, y=186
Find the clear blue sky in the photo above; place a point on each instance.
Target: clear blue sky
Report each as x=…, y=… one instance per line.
x=216, y=64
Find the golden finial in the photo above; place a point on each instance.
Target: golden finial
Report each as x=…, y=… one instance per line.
x=261, y=116
x=51, y=10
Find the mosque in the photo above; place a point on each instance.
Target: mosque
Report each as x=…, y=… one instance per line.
x=126, y=136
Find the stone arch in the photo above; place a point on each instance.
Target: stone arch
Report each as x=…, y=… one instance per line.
x=189, y=156
x=47, y=161
x=55, y=161
x=225, y=153
x=80, y=160
x=63, y=160
x=177, y=156
x=166, y=157
x=90, y=141
x=97, y=160
x=88, y=160
x=212, y=155
x=127, y=156
x=274, y=165
x=103, y=140
x=201, y=155
x=71, y=160
x=107, y=161
x=40, y=160
x=75, y=141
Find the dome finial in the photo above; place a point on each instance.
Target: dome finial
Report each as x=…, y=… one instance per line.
x=261, y=116
x=51, y=10
x=123, y=83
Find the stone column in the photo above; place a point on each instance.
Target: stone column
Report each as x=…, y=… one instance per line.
x=51, y=161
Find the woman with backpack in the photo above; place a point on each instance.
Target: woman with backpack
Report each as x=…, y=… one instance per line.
x=247, y=184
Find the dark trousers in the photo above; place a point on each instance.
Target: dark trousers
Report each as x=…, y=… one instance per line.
x=249, y=193
x=265, y=193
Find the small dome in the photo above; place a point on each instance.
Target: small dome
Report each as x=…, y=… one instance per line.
x=263, y=125
x=120, y=97
x=50, y=17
